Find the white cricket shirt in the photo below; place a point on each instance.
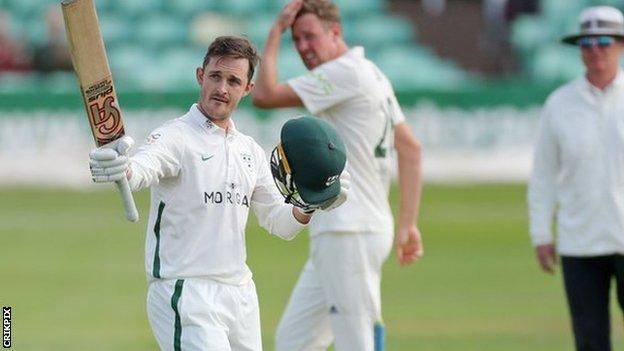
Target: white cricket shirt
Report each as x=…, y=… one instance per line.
x=578, y=170
x=203, y=182
x=357, y=98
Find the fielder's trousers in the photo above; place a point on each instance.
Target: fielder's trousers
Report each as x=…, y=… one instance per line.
x=338, y=296
x=587, y=283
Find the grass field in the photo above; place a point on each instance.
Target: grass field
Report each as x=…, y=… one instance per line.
x=72, y=270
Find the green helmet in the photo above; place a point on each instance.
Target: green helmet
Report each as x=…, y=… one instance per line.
x=307, y=164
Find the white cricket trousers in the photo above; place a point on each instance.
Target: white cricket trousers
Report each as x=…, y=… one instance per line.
x=196, y=314
x=337, y=297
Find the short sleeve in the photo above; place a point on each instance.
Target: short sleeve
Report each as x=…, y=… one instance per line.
x=395, y=112
x=326, y=86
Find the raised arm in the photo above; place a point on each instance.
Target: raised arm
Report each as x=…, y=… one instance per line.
x=268, y=91
x=158, y=158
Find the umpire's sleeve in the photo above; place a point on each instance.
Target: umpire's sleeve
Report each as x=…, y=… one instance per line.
x=541, y=194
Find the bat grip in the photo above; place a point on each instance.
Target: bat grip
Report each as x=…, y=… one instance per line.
x=128, y=201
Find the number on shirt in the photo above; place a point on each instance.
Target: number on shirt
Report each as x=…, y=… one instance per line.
x=381, y=150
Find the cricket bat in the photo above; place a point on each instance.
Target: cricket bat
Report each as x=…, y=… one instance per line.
x=96, y=83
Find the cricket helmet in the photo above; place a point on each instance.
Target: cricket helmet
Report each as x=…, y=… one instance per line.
x=307, y=163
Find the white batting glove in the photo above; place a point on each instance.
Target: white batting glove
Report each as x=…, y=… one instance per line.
x=108, y=164
x=345, y=185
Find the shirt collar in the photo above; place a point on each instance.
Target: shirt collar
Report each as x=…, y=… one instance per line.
x=617, y=83
x=355, y=52
x=199, y=119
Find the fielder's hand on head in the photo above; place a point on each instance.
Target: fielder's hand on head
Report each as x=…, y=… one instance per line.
x=286, y=17
x=409, y=245
x=110, y=165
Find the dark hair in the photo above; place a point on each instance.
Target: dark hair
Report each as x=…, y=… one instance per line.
x=235, y=47
x=325, y=10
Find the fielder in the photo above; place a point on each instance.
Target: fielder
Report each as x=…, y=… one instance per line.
x=578, y=179
x=204, y=176
x=337, y=298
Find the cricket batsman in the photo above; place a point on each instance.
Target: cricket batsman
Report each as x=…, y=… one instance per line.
x=204, y=176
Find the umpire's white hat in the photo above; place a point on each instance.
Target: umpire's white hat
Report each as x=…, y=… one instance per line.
x=598, y=20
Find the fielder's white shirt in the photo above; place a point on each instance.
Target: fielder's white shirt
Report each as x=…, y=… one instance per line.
x=357, y=98
x=203, y=182
x=578, y=171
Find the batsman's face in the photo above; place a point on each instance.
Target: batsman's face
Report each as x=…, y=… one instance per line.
x=223, y=84
x=316, y=42
x=602, y=59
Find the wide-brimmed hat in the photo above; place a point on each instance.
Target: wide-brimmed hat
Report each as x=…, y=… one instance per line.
x=596, y=21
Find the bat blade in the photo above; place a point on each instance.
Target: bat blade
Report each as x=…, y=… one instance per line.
x=91, y=66
x=96, y=83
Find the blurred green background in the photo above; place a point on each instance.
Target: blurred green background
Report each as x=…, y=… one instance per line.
x=72, y=270
x=470, y=76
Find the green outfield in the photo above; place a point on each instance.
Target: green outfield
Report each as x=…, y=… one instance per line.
x=71, y=268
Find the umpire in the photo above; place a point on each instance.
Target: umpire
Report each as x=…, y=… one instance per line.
x=578, y=178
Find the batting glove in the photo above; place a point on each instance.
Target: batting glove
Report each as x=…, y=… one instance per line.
x=108, y=164
x=345, y=185
x=337, y=201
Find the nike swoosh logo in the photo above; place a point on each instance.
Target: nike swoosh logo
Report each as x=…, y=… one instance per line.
x=206, y=158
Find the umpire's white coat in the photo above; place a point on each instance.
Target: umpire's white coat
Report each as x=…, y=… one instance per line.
x=578, y=171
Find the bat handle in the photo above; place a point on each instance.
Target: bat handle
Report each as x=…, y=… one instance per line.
x=128, y=201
